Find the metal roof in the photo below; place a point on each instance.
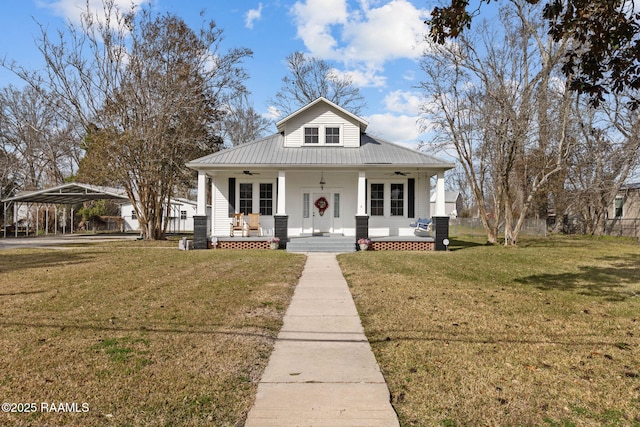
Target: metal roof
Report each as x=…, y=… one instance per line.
x=67, y=194
x=270, y=151
x=631, y=186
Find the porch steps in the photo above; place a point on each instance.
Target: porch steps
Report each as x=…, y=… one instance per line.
x=326, y=243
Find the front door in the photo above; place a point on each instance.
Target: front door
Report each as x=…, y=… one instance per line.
x=321, y=212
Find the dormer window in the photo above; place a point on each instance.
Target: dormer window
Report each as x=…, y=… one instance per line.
x=311, y=135
x=332, y=135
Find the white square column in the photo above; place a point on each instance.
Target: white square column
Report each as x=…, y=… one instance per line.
x=361, y=208
x=440, y=197
x=201, y=207
x=282, y=193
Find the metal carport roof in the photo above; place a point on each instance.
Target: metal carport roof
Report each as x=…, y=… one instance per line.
x=68, y=194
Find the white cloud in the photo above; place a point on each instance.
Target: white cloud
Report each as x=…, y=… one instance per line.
x=314, y=20
x=389, y=32
x=403, y=102
x=367, y=34
x=395, y=128
x=74, y=9
x=365, y=77
x=272, y=113
x=362, y=35
x=252, y=16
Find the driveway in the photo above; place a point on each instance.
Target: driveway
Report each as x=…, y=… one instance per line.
x=60, y=240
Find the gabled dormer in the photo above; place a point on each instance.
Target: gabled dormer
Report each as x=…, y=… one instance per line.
x=322, y=124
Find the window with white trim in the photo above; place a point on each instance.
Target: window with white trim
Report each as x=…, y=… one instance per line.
x=377, y=200
x=397, y=199
x=618, y=204
x=246, y=198
x=332, y=135
x=266, y=199
x=311, y=135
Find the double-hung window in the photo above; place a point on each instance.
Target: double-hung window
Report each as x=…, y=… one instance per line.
x=246, y=198
x=397, y=199
x=332, y=135
x=618, y=203
x=311, y=135
x=377, y=199
x=266, y=199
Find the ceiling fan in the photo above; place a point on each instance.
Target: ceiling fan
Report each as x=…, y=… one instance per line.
x=399, y=173
x=248, y=172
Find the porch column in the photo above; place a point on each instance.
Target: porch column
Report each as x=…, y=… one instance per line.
x=440, y=220
x=362, y=194
x=282, y=193
x=202, y=194
x=281, y=219
x=362, y=219
x=440, y=202
x=200, y=240
x=213, y=201
x=427, y=213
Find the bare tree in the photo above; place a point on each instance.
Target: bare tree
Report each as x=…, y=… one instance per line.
x=147, y=91
x=607, y=153
x=242, y=123
x=32, y=132
x=311, y=78
x=495, y=98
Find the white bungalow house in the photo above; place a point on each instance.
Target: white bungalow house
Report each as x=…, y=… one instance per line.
x=180, y=214
x=320, y=174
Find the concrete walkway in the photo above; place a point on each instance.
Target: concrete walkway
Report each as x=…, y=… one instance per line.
x=322, y=371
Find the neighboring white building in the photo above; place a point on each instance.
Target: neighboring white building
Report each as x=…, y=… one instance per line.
x=452, y=203
x=180, y=216
x=321, y=173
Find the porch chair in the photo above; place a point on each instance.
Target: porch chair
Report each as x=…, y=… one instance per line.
x=253, y=224
x=237, y=223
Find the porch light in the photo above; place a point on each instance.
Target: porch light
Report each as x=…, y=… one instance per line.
x=322, y=183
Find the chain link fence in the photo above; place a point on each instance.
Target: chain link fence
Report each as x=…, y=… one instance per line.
x=538, y=227
x=473, y=227
x=623, y=227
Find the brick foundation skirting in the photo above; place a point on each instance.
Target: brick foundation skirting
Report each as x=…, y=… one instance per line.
x=375, y=246
x=402, y=246
x=244, y=245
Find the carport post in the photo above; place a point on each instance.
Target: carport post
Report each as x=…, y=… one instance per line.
x=71, y=220
x=46, y=220
x=55, y=219
x=4, y=219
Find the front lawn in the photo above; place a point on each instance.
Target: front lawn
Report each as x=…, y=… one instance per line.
x=135, y=334
x=545, y=334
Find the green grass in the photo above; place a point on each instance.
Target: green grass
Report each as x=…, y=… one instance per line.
x=547, y=333
x=143, y=333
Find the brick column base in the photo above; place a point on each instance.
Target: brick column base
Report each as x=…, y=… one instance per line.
x=362, y=228
x=200, y=239
x=441, y=228
x=281, y=229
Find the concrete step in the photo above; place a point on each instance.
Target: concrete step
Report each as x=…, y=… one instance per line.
x=321, y=244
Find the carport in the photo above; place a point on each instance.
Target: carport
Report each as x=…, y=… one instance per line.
x=66, y=194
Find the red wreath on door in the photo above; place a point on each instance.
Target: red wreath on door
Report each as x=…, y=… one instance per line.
x=322, y=204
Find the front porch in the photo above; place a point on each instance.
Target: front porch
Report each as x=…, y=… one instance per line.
x=327, y=243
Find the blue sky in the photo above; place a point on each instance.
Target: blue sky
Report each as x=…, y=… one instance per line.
x=378, y=42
